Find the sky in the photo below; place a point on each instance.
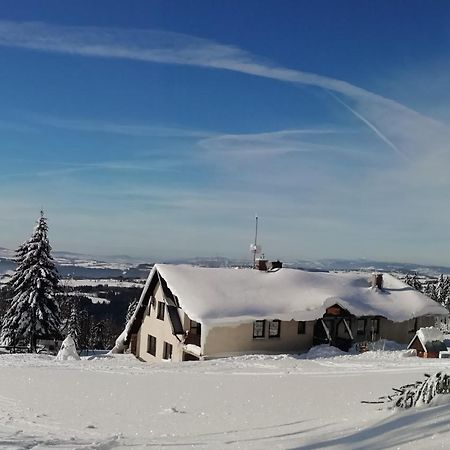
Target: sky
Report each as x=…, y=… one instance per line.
x=159, y=129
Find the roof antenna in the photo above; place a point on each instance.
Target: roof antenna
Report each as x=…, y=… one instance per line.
x=255, y=248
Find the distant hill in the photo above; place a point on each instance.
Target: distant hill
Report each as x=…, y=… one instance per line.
x=370, y=265
x=77, y=265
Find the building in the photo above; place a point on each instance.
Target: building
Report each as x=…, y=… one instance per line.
x=428, y=342
x=187, y=312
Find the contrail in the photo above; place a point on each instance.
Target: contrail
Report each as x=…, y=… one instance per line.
x=368, y=123
x=174, y=48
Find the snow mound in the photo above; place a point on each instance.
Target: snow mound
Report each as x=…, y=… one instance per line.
x=323, y=351
x=392, y=345
x=384, y=345
x=68, y=350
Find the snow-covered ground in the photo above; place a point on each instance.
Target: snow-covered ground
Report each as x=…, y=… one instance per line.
x=109, y=282
x=247, y=402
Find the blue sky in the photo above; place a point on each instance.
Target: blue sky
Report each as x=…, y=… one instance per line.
x=159, y=129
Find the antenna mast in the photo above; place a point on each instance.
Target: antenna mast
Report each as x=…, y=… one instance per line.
x=254, y=247
x=256, y=241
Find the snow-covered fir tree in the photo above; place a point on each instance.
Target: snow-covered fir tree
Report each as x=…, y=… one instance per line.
x=430, y=290
x=98, y=336
x=443, y=291
x=414, y=281
x=131, y=308
x=34, y=309
x=86, y=323
x=73, y=327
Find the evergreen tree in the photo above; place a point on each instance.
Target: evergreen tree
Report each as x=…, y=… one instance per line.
x=408, y=279
x=131, y=308
x=98, y=336
x=431, y=291
x=446, y=301
x=443, y=291
x=85, y=321
x=5, y=301
x=73, y=327
x=416, y=284
x=34, y=310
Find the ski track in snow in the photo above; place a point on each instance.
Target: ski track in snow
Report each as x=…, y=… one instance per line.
x=251, y=402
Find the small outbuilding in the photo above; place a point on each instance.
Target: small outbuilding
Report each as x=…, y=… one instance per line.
x=428, y=342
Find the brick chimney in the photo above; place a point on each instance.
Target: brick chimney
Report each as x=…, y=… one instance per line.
x=377, y=281
x=261, y=264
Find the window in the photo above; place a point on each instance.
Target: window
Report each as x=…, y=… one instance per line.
x=274, y=328
x=361, y=327
x=160, y=312
x=195, y=328
x=413, y=325
x=151, y=345
x=167, y=351
x=259, y=328
x=375, y=326
x=150, y=304
x=301, y=327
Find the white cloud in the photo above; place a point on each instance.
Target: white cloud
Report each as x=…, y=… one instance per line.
x=125, y=128
x=268, y=143
x=390, y=120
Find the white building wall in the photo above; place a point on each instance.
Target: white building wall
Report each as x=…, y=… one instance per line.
x=160, y=329
x=236, y=340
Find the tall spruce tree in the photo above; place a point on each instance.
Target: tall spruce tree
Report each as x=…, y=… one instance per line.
x=34, y=309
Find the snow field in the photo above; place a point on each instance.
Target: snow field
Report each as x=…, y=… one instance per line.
x=244, y=402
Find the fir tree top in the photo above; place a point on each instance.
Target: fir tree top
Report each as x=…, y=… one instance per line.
x=34, y=258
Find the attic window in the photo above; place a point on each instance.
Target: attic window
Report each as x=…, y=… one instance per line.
x=259, y=328
x=274, y=328
x=160, y=312
x=149, y=307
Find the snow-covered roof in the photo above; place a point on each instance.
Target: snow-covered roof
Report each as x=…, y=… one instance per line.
x=429, y=334
x=218, y=295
